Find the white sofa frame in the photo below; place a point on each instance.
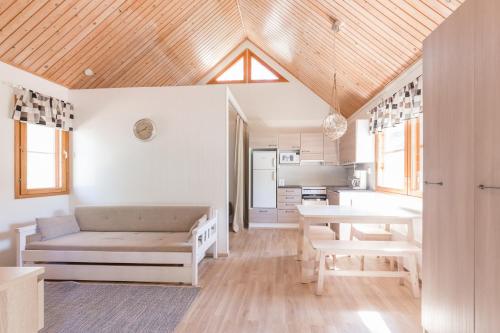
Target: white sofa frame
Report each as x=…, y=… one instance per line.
x=165, y=267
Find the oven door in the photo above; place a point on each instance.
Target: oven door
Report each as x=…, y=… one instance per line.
x=314, y=200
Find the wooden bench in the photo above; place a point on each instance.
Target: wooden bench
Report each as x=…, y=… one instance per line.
x=371, y=233
x=325, y=248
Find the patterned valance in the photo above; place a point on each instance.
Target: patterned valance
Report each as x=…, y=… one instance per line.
x=34, y=108
x=403, y=105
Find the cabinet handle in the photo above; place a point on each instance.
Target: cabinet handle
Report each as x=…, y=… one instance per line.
x=483, y=187
x=431, y=183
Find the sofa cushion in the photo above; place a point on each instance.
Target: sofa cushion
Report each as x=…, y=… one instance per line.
x=139, y=218
x=117, y=241
x=53, y=227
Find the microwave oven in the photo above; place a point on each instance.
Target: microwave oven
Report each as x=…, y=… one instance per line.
x=289, y=157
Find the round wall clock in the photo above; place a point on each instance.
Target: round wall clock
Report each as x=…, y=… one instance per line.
x=145, y=129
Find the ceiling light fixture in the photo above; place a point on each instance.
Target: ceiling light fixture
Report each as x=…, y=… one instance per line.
x=335, y=124
x=88, y=72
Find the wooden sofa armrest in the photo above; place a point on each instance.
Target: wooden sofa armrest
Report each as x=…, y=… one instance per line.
x=22, y=235
x=203, y=238
x=209, y=224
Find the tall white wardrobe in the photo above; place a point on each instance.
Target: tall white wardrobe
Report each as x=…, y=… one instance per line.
x=461, y=219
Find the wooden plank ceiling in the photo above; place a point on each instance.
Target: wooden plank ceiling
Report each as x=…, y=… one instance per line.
x=130, y=43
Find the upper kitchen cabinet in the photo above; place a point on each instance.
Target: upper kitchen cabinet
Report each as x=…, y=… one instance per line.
x=289, y=141
x=330, y=151
x=263, y=141
x=357, y=145
x=311, y=146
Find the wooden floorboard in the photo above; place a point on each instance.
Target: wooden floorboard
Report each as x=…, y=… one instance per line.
x=257, y=289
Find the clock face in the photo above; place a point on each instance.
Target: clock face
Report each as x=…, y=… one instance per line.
x=144, y=129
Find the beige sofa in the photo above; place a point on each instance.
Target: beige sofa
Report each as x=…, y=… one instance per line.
x=124, y=243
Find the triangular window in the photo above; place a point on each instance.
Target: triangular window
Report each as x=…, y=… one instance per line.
x=235, y=72
x=261, y=72
x=247, y=68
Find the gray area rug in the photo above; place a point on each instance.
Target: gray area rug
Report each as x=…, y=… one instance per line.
x=103, y=307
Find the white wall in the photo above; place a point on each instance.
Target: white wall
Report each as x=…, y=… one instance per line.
x=15, y=213
x=274, y=105
x=313, y=175
x=185, y=164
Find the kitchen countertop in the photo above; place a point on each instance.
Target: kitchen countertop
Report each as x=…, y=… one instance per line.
x=345, y=189
x=337, y=188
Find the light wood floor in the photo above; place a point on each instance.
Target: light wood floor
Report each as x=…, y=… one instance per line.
x=256, y=289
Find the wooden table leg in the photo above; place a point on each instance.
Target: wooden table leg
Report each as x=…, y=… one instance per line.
x=308, y=255
x=415, y=287
x=321, y=273
x=300, y=239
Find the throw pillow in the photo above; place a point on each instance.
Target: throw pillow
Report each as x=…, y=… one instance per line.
x=53, y=227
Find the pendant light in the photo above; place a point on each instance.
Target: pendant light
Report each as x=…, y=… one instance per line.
x=335, y=124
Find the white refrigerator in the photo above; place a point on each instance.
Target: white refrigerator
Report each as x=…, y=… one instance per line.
x=264, y=178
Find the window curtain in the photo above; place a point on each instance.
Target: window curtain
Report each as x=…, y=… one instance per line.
x=239, y=167
x=403, y=105
x=34, y=108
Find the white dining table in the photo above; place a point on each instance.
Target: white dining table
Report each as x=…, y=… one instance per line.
x=314, y=215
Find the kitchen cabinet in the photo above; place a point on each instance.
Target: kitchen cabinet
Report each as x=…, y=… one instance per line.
x=263, y=141
x=289, y=141
x=288, y=191
x=330, y=151
x=288, y=216
x=333, y=197
x=288, y=199
x=357, y=145
x=263, y=215
x=311, y=146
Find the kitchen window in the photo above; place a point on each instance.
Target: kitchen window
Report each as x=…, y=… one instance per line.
x=399, y=163
x=41, y=161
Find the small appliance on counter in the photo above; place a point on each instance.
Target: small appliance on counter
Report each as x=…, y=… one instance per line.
x=358, y=182
x=290, y=157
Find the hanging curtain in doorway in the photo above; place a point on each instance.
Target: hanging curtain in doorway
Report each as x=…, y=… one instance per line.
x=403, y=105
x=34, y=108
x=239, y=167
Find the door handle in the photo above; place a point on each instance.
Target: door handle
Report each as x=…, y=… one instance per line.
x=484, y=187
x=432, y=183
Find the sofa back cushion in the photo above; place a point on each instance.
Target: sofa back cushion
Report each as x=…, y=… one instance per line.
x=139, y=218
